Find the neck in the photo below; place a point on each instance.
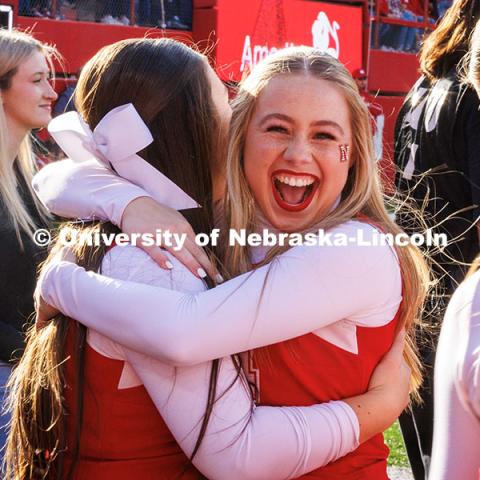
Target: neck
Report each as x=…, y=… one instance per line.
x=258, y=253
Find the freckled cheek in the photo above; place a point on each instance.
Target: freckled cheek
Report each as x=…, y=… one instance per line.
x=257, y=158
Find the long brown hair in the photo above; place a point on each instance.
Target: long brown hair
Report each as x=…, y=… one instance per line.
x=446, y=46
x=37, y=437
x=362, y=194
x=167, y=83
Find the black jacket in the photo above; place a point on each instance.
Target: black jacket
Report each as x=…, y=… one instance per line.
x=438, y=133
x=17, y=280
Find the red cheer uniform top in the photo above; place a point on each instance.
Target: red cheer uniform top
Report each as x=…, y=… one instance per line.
x=123, y=436
x=309, y=369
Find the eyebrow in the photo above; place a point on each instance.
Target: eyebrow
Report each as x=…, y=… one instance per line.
x=44, y=72
x=319, y=123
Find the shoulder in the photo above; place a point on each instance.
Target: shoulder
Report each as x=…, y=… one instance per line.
x=369, y=249
x=351, y=261
x=359, y=238
x=353, y=248
x=133, y=264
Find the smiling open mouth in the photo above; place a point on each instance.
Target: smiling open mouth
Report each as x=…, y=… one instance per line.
x=293, y=191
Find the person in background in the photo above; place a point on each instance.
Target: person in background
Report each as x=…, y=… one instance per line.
x=24, y=7
x=398, y=37
x=179, y=14
x=374, y=108
x=442, y=7
x=26, y=98
x=437, y=143
x=114, y=12
x=65, y=101
x=456, y=434
x=148, y=13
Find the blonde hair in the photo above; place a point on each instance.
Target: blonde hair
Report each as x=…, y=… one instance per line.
x=15, y=48
x=362, y=194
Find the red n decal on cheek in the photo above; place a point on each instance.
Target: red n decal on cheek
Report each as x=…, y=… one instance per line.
x=344, y=151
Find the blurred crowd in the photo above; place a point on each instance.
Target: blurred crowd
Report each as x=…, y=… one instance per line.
x=392, y=37
x=174, y=14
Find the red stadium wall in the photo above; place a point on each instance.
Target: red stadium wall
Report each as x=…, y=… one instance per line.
x=391, y=106
x=392, y=72
x=78, y=41
x=391, y=75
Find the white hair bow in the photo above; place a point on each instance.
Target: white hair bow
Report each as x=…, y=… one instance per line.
x=115, y=142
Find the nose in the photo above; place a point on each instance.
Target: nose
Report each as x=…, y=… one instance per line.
x=50, y=93
x=298, y=151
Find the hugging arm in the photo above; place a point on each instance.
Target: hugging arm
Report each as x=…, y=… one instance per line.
x=85, y=190
x=301, y=291
x=89, y=190
x=268, y=442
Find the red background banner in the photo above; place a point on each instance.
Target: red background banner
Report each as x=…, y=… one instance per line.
x=247, y=33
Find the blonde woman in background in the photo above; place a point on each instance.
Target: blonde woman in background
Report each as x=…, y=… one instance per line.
x=26, y=98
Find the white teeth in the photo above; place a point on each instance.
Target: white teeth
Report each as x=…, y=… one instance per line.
x=295, y=181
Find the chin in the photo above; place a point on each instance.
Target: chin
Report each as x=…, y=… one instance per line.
x=289, y=223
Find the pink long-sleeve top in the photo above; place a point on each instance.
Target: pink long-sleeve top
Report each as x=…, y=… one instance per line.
x=456, y=439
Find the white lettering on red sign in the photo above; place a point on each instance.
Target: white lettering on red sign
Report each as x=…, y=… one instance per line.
x=251, y=56
x=323, y=32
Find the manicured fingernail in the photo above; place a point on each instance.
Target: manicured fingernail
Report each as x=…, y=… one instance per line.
x=201, y=273
x=169, y=264
x=219, y=278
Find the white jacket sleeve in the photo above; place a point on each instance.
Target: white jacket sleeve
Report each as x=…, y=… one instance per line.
x=268, y=442
x=240, y=444
x=84, y=190
x=303, y=290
